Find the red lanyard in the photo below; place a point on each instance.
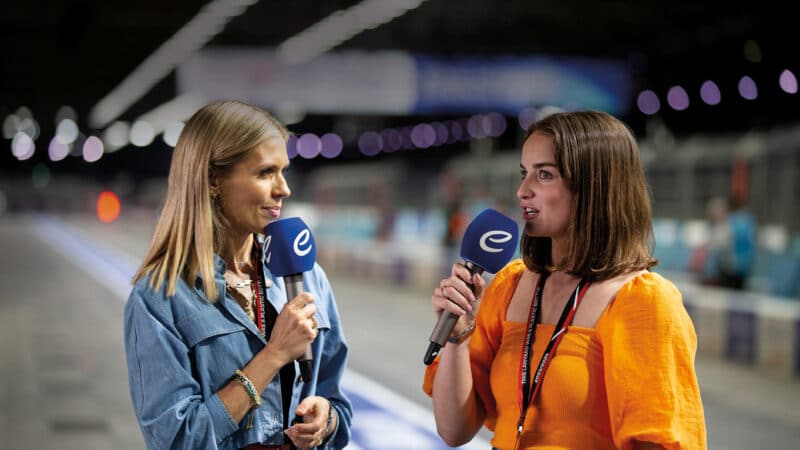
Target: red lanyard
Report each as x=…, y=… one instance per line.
x=261, y=293
x=529, y=389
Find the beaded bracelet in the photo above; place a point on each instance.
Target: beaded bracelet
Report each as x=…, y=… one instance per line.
x=249, y=386
x=463, y=335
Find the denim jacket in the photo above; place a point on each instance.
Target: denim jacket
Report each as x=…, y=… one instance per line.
x=181, y=350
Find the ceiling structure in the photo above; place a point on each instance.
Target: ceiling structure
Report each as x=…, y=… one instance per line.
x=75, y=52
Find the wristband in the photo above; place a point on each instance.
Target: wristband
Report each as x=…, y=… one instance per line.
x=463, y=335
x=249, y=387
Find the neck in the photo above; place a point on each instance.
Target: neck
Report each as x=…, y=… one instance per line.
x=238, y=251
x=558, y=250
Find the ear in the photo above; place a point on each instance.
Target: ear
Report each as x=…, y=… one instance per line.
x=213, y=186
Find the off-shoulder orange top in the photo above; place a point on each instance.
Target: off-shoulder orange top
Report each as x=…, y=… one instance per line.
x=632, y=377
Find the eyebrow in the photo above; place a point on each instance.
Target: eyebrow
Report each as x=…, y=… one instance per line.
x=539, y=165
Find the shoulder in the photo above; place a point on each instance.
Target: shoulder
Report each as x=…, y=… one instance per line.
x=153, y=300
x=510, y=274
x=647, y=296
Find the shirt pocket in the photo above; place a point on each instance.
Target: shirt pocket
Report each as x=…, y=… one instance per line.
x=205, y=325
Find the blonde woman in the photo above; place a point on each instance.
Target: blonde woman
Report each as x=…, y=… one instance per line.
x=210, y=337
x=578, y=345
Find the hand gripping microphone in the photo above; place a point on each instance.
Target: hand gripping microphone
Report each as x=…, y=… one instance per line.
x=289, y=251
x=488, y=244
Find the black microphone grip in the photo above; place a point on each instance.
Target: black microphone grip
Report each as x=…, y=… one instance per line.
x=294, y=287
x=444, y=326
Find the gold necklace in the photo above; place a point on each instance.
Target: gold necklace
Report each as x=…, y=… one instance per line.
x=249, y=298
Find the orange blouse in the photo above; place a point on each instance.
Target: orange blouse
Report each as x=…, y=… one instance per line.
x=630, y=378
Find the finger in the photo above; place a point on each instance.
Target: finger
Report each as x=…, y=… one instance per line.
x=442, y=303
x=302, y=299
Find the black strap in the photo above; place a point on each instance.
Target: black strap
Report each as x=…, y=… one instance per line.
x=529, y=388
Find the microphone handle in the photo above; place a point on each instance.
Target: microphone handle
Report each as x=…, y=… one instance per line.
x=294, y=286
x=444, y=326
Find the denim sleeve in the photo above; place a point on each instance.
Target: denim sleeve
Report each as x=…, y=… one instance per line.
x=166, y=398
x=332, y=366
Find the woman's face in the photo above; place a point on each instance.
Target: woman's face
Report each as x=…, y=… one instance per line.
x=545, y=200
x=252, y=190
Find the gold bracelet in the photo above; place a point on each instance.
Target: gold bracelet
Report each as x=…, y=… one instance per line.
x=463, y=335
x=249, y=387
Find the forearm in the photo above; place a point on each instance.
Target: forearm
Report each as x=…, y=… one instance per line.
x=260, y=370
x=458, y=412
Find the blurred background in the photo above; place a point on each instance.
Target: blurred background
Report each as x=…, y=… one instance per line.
x=407, y=118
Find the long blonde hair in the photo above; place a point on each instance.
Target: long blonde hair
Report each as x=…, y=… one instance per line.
x=191, y=227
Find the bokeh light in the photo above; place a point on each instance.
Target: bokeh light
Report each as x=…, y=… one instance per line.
x=423, y=135
x=291, y=146
x=67, y=131
x=108, y=207
x=370, y=143
x=22, y=146
x=648, y=102
x=92, y=149
x=788, y=82
x=172, y=133
x=142, y=134
x=116, y=136
x=332, y=145
x=709, y=93
x=747, y=88
x=527, y=117
x=57, y=150
x=392, y=140
x=309, y=146
x=677, y=98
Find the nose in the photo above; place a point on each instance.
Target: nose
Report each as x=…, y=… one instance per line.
x=524, y=191
x=282, y=188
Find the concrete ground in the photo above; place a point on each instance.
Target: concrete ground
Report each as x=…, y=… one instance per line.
x=63, y=371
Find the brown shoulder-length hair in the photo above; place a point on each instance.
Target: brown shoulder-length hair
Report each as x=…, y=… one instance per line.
x=191, y=227
x=611, y=227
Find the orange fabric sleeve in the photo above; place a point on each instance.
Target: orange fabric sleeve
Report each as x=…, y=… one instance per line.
x=649, y=346
x=485, y=339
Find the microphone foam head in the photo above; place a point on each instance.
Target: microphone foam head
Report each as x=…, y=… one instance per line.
x=490, y=240
x=289, y=247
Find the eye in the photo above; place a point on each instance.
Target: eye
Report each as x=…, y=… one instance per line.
x=267, y=171
x=544, y=174
x=523, y=173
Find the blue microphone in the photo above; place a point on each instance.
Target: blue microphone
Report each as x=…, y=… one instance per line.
x=488, y=244
x=289, y=251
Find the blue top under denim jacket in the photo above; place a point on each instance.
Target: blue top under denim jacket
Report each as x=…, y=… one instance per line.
x=181, y=350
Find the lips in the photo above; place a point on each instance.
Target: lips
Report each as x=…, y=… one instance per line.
x=274, y=211
x=529, y=213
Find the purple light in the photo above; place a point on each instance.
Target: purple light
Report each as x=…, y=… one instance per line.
x=747, y=88
x=309, y=146
x=392, y=140
x=423, y=135
x=494, y=124
x=456, y=132
x=648, y=103
x=788, y=82
x=709, y=92
x=22, y=146
x=57, y=149
x=92, y=149
x=370, y=143
x=291, y=146
x=677, y=98
x=331, y=145
x=408, y=144
x=475, y=127
x=526, y=117
x=442, y=134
